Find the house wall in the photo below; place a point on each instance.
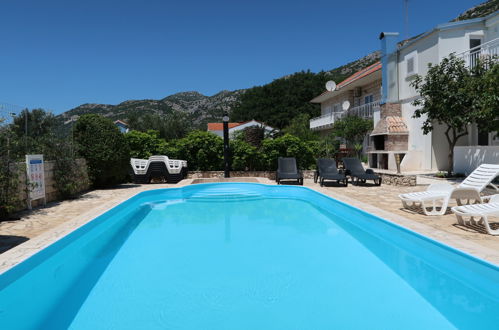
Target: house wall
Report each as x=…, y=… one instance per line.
x=458, y=40
x=339, y=99
x=426, y=52
x=219, y=133
x=373, y=88
x=433, y=148
x=492, y=28
x=466, y=159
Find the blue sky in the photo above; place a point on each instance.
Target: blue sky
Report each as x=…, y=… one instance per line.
x=60, y=54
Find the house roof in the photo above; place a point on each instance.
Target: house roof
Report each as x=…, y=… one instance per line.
x=220, y=126
x=356, y=77
x=391, y=125
x=360, y=74
x=447, y=26
x=120, y=122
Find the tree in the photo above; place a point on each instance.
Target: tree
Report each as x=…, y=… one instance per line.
x=173, y=125
x=300, y=127
x=9, y=175
x=36, y=122
x=485, y=88
x=144, y=144
x=454, y=96
x=35, y=132
x=286, y=146
x=352, y=128
x=253, y=135
x=104, y=148
x=281, y=100
x=244, y=156
x=202, y=150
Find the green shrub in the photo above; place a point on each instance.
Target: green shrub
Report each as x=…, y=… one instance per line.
x=245, y=157
x=70, y=176
x=201, y=150
x=287, y=146
x=9, y=174
x=145, y=144
x=104, y=148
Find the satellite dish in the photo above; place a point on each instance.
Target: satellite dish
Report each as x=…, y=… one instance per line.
x=330, y=85
x=345, y=105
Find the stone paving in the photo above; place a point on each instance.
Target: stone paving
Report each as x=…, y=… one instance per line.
x=40, y=227
x=384, y=202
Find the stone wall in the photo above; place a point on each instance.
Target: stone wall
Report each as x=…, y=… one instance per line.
x=398, y=179
x=396, y=142
x=51, y=192
x=307, y=174
x=388, y=178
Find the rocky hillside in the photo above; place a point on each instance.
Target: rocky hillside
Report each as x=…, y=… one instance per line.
x=481, y=10
x=199, y=108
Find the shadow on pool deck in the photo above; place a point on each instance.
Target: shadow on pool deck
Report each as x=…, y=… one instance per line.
x=8, y=242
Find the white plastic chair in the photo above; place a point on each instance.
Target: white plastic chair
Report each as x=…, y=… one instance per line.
x=468, y=190
x=480, y=211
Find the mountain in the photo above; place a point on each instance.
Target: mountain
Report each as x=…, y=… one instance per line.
x=200, y=108
x=283, y=100
x=480, y=10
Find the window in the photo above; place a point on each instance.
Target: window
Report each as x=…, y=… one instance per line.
x=475, y=42
x=328, y=109
x=483, y=138
x=337, y=107
x=368, y=99
x=411, y=63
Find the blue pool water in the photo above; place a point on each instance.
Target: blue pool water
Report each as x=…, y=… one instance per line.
x=247, y=256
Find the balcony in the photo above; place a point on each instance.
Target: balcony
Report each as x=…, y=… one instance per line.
x=488, y=49
x=364, y=111
x=326, y=121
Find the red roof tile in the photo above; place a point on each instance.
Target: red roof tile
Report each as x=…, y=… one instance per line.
x=360, y=74
x=220, y=126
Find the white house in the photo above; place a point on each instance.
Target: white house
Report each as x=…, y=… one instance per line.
x=361, y=91
x=358, y=94
x=469, y=39
x=217, y=128
x=122, y=126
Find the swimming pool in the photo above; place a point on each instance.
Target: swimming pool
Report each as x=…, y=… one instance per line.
x=247, y=256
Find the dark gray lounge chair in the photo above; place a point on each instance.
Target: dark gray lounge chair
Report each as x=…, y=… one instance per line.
x=357, y=173
x=326, y=170
x=287, y=170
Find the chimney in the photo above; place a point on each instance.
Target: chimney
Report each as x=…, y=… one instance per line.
x=389, y=61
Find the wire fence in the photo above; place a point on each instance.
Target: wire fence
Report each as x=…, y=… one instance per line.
x=8, y=112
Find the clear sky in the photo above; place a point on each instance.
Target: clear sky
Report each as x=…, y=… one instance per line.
x=60, y=54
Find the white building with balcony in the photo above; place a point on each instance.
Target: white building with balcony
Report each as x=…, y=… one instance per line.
x=470, y=39
x=362, y=90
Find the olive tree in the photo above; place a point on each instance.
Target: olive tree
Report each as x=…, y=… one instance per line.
x=454, y=96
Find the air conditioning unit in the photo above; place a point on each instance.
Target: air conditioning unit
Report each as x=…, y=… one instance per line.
x=357, y=92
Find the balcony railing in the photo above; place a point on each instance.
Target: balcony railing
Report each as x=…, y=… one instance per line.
x=488, y=49
x=365, y=110
x=326, y=121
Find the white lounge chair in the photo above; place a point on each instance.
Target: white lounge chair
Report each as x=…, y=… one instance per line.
x=480, y=211
x=468, y=190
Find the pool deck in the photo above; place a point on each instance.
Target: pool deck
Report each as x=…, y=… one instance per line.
x=39, y=228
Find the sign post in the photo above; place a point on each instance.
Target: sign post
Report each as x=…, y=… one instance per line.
x=35, y=173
